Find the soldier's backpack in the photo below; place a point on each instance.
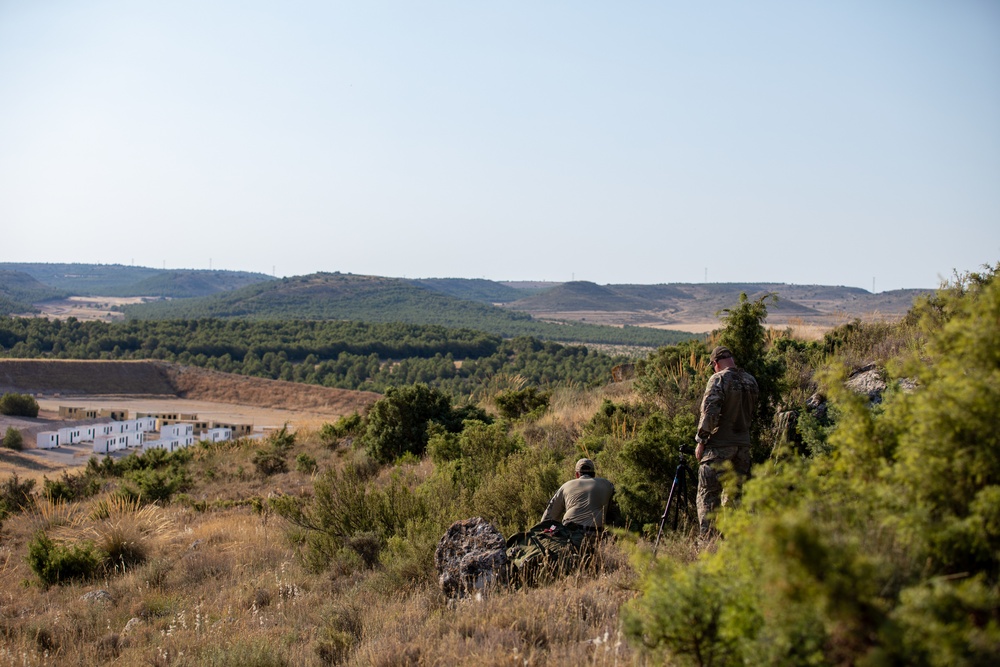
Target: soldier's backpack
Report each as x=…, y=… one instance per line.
x=547, y=550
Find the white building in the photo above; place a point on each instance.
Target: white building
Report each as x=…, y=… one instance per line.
x=105, y=444
x=218, y=434
x=47, y=439
x=176, y=430
x=70, y=435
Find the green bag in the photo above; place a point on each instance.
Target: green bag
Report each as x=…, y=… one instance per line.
x=547, y=550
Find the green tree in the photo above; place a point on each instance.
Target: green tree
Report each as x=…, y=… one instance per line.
x=397, y=422
x=885, y=548
x=19, y=405
x=744, y=334
x=12, y=439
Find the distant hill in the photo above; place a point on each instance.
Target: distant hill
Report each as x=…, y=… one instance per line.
x=580, y=296
x=677, y=303
x=483, y=291
x=19, y=291
x=335, y=296
x=124, y=281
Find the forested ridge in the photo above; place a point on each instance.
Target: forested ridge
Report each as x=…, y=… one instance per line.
x=19, y=290
x=334, y=296
x=123, y=281
x=346, y=355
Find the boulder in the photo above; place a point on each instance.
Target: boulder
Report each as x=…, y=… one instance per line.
x=470, y=556
x=868, y=380
x=99, y=595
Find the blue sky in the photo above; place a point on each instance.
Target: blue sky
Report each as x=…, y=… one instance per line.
x=841, y=143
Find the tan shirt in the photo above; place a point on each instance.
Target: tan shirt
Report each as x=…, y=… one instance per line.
x=583, y=501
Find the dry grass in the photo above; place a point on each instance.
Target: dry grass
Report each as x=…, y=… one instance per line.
x=220, y=582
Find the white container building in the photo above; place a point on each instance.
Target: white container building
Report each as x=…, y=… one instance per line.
x=47, y=439
x=218, y=434
x=70, y=435
x=176, y=430
x=105, y=444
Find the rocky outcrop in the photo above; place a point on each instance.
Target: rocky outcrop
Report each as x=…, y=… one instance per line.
x=868, y=380
x=469, y=557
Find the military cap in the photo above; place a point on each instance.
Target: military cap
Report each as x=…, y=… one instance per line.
x=585, y=467
x=721, y=352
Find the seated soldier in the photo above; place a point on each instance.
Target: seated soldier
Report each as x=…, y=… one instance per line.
x=584, y=501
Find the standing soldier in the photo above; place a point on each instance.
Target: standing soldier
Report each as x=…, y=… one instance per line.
x=723, y=433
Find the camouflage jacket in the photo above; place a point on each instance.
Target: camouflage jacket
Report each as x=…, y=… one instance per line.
x=727, y=408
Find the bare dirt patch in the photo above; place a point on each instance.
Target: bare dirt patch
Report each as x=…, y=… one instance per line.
x=87, y=307
x=154, y=387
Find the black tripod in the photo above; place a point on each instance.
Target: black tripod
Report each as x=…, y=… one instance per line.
x=678, y=493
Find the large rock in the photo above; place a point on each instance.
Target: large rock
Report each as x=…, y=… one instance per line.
x=868, y=381
x=470, y=556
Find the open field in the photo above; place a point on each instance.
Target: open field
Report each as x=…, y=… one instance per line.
x=85, y=307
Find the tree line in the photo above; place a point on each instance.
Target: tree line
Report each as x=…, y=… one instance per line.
x=347, y=355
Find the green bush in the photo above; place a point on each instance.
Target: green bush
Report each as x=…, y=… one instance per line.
x=345, y=506
x=348, y=425
x=882, y=547
x=514, y=494
x=691, y=616
x=270, y=461
x=642, y=467
x=527, y=401
x=19, y=405
x=55, y=564
x=16, y=495
x=155, y=485
x=305, y=464
x=397, y=423
x=12, y=439
x=70, y=487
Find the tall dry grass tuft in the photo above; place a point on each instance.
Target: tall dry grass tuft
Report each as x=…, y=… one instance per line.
x=124, y=530
x=48, y=514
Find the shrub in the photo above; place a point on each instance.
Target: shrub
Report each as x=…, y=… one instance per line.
x=152, y=485
x=305, y=464
x=123, y=530
x=642, y=467
x=397, y=423
x=270, y=461
x=55, y=564
x=70, y=487
x=348, y=425
x=882, y=549
x=516, y=404
x=514, y=493
x=346, y=510
x=16, y=495
x=12, y=439
x=19, y=405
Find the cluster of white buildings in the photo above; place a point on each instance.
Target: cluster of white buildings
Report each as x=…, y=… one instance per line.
x=113, y=436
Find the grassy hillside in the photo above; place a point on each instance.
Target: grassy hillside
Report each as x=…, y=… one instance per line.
x=867, y=534
x=335, y=296
x=122, y=281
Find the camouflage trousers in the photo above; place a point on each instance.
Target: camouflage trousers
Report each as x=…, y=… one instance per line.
x=720, y=482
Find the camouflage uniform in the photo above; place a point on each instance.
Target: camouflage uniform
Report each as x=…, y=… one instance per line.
x=724, y=429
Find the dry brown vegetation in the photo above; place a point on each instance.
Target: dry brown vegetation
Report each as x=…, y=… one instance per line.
x=220, y=580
